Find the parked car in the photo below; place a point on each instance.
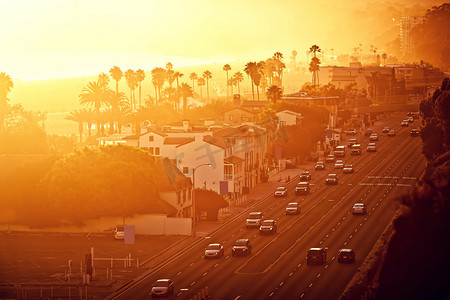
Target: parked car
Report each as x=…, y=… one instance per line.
x=331, y=179
x=368, y=132
x=214, y=251
x=254, y=219
x=391, y=132
x=339, y=164
x=281, y=191
x=162, y=287
x=346, y=256
x=359, y=209
x=373, y=137
x=351, y=142
x=293, y=208
x=242, y=247
x=330, y=158
x=305, y=176
x=316, y=256
x=119, y=232
x=302, y=188
x=414, y=132
x=355, y=150
x=320, y=165
x=371, y=147
x=348, y=168
x=339, y=151
x=268, y=226
x=386, y=129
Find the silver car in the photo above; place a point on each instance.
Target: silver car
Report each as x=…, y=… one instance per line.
x=293, y=208
x=359, y=208
x=214, y=251
x=162, y=287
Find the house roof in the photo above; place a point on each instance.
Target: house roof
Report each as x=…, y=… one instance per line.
x=216, y=141
x=131, y=137
x=178, y=140
x=233, y=160
x=239, y=131
x=240, y=108
x=156, y=131
x=169, y=177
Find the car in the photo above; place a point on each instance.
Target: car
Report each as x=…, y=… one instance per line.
x=241, y=247
x=330, y=158
x=351, y=131
x=331, y=179
x=320, y=165
x=410, y=119
x=281, y=191
x=414, y=132
x=293, y=208
x=368, y=132
x=371, y=147
x=391, y=132
x=316, y=256
x=373, y=137
x=302, y=188
x=405, y=123
x=355, y=150
x=386, y=129
x=339, y=151
x=351, y=142
x=254, y=219
x=305, y=176
x=346, y=256
x=119, y=232
x=339, y=164
x=359, y=209
x=268, y=226
x=214, y=251
x=162, y=287
x=348, y=168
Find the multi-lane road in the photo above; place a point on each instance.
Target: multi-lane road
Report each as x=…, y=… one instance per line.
x=276, y=268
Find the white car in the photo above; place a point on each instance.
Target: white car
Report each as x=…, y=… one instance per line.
x=331, y=179
x=371, y=147
x=281, y=191
x=391, y=132
x=119, y=232
x=254, y=219
x=339, y=164
x=214, y=250
x=293, y=208
x=359, y=208
x=162, y=287
x=373, y=137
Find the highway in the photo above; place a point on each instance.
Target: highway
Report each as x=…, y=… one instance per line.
x=276, y=268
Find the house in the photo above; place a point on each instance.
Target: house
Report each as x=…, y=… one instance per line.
x=289, y=118
x=239, y=115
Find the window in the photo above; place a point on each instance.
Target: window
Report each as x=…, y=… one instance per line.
x=231, y=117
x=150, y=138
x=185, y=170
x=151, y=150
x=156, y=150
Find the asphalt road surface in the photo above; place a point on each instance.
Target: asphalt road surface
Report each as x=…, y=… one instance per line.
x=276, y=268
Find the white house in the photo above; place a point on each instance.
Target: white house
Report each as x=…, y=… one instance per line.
x=288, y=118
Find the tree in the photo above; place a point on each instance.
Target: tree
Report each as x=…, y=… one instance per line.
x=185, y=92
x=6, y=84
x=210, y=202
x=207, y=75
x=239, y=77
x=103, y=79
x=116, y=74
x=384, y=56
x=314, y=65
x=94, y=94
x=130, y=76
x=170, y=77
x=251, y=69
x=158, y=79
x=201, y=82
x=227, y=68
x=140, y=76
x=279, y=67
x=193, y=77
x=77, y=116
x=274, y=93
x=178, y=76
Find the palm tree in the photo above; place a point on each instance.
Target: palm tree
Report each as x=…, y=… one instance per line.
x=158, y=79
x=94, y=94
x=207, y=75
x=201, y=82
x=178, y=76
x=79, y=117
x=231, y=82
x=314, y=65
x=193, y=77
x=279, y=67
x=116, y=74
x=294, y=58
x=170, y=77
x=250, y=70
x=185, y=92
x=384, y=56
x=239, y=77
x=227, y=68
x=103, y=79
x=116, y=101
x=6, y=84
x=130, y=76
x=140, y=76
x=274, y=93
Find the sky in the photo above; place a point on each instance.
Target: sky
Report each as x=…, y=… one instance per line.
x=43, y=39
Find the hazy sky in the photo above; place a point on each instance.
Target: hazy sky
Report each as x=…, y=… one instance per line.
x=54, y=38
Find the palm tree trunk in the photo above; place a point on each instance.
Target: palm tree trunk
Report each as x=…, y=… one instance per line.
x=117, y=86
x=253, y=91
x=80, y=131
x=227, y=86
x=207, y=90
x=257, y=91
x=140, y=103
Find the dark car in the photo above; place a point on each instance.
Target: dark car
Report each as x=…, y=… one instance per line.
x=281, y=191
x=351, y=131
x=339, y=151
x=355, y=150
x=386, y=129
x=414, y=132
x=316, y=256
x=346, y=256
x=293, y=208
x=162, y=287
x=348, y=168
x=302, y=188
x=242, y=247
x=330, y=158
x=319, y=165
x=351, y=142
x=371, y=147
x=391, y=132
x=331, y=179
x=368, y=132
x=214, y=251
x=268, y=226
x=305, y=176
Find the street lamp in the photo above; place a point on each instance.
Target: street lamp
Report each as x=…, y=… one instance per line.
x=194, y=215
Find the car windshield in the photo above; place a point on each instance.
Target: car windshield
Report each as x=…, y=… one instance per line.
x=267, y=223
x=302, y=184
x=332, y=175
x=305, y=173
x=358, y=205
x=241, y=243
x=319, y=163
x=281, y=188
x=254, y=216
x=120, y=228
x=213, y=247
x=161, y=283
x=292, y=205
x=348, y=166
x=339, y=162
